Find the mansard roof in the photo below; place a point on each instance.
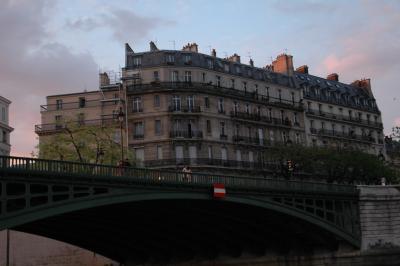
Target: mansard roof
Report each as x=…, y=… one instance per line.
x=158, y=58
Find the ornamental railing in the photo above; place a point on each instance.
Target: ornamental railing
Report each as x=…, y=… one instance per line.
x=344, y=118
x=91, y=173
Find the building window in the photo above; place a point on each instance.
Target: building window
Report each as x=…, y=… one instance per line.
x=271, y=136
x=224, y=154
x=218, y=81
x=206, y=102
x=267, y=90
x=156, y=76
x=82, y=102
x=174, y=76
x=208, y=125
x=221, y=105
x=210, y=153
x=247, y=108
x=238, y=70
x=59, y=105
x=297, y=138
x=244, y=86
x=4, y=137
x=293, y=97
x=222, y=128
x=284, y=137
x=282, y=116
x=137, y=61
x=210, y=64
x=190, y=103
x=81, y=119
x=311, y=124
x=137, y=104
x=232, y=83
x=157, y=127
x=295, y=119
x=58, y=119
x=259, y=111
x=235, y=107
x=170, y=59
x=176, y=101
x=139, y=130
x=188, y=76
x=226, y=68
x=204, y=77
x=159, y=152
x=187, y=59
x=280, y=95
x=156, y=100
x=270, y=113
x=322, y=125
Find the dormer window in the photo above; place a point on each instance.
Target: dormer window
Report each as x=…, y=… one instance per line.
x=170, y=59
x=137, y=61
x=226, y=67
x=187, y=59
x=210, y=64
x=238, y=70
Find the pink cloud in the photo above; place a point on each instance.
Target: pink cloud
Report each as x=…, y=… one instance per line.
x=397, y=122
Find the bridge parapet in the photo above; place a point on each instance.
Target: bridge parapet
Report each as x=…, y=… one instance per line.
x=380, y=217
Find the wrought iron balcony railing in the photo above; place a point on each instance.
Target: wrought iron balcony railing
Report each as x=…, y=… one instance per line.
x=43, y=128
x=79, y=105
x=193, y=134
x=344, y=118
x=261, y=118
x=214, y=89
x=346, y=135
x=184, y=109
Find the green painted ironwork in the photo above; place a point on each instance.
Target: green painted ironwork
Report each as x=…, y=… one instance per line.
x=33, y=189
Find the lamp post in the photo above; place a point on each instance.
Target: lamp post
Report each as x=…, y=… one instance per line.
x=121, y=116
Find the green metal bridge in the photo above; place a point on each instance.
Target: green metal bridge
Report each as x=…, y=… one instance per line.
x=138, y=214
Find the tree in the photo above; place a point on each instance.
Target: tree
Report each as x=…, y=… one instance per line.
x=82, y=143
x=334, y=165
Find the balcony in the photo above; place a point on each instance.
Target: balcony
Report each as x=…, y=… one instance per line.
x=338, y=117
x=223, y=137
x=53, y=127
x=79, y=105
x=344, y=135
x=256, y=117
x=193, y=134
x=215, y=90
x=138, y=136
x=184, y=109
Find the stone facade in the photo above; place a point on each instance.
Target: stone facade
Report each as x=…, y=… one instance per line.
x=5, y=129
x=184, y=107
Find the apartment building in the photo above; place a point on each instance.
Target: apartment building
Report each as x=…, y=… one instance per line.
x=340, y=115
x=95, y=108
x=183, y=107
x=5, y=129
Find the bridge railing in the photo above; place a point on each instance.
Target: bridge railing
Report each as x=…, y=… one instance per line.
x=144, y=175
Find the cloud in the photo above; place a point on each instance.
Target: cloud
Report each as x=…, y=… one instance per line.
x=397, y=122
x=32, y=67
x=124, y=24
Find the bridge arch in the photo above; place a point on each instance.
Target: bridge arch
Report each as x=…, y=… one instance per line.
x=36, y=214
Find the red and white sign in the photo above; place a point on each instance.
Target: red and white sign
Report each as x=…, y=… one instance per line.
x=219, y=191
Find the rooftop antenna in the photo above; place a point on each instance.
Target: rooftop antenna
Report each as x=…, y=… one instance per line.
x=173, y=43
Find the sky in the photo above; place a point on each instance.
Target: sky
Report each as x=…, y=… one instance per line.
x=49, y=47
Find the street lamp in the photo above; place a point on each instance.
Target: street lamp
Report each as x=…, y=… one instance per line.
x=121, y=117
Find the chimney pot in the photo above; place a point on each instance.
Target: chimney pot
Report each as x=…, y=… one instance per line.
x=283, y=64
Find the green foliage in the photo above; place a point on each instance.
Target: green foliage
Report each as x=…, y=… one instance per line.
x=333, y=165
x=82, y=143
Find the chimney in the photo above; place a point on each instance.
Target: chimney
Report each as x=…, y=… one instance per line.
x=333, y=76
x=190, y=47
x=234, y=58
x=128, y=49
x=153, y=47
x=104, y=79
x=251, y=62
x=302, y=69
x=283, y=64
x=364, y=84
x=214, y=53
